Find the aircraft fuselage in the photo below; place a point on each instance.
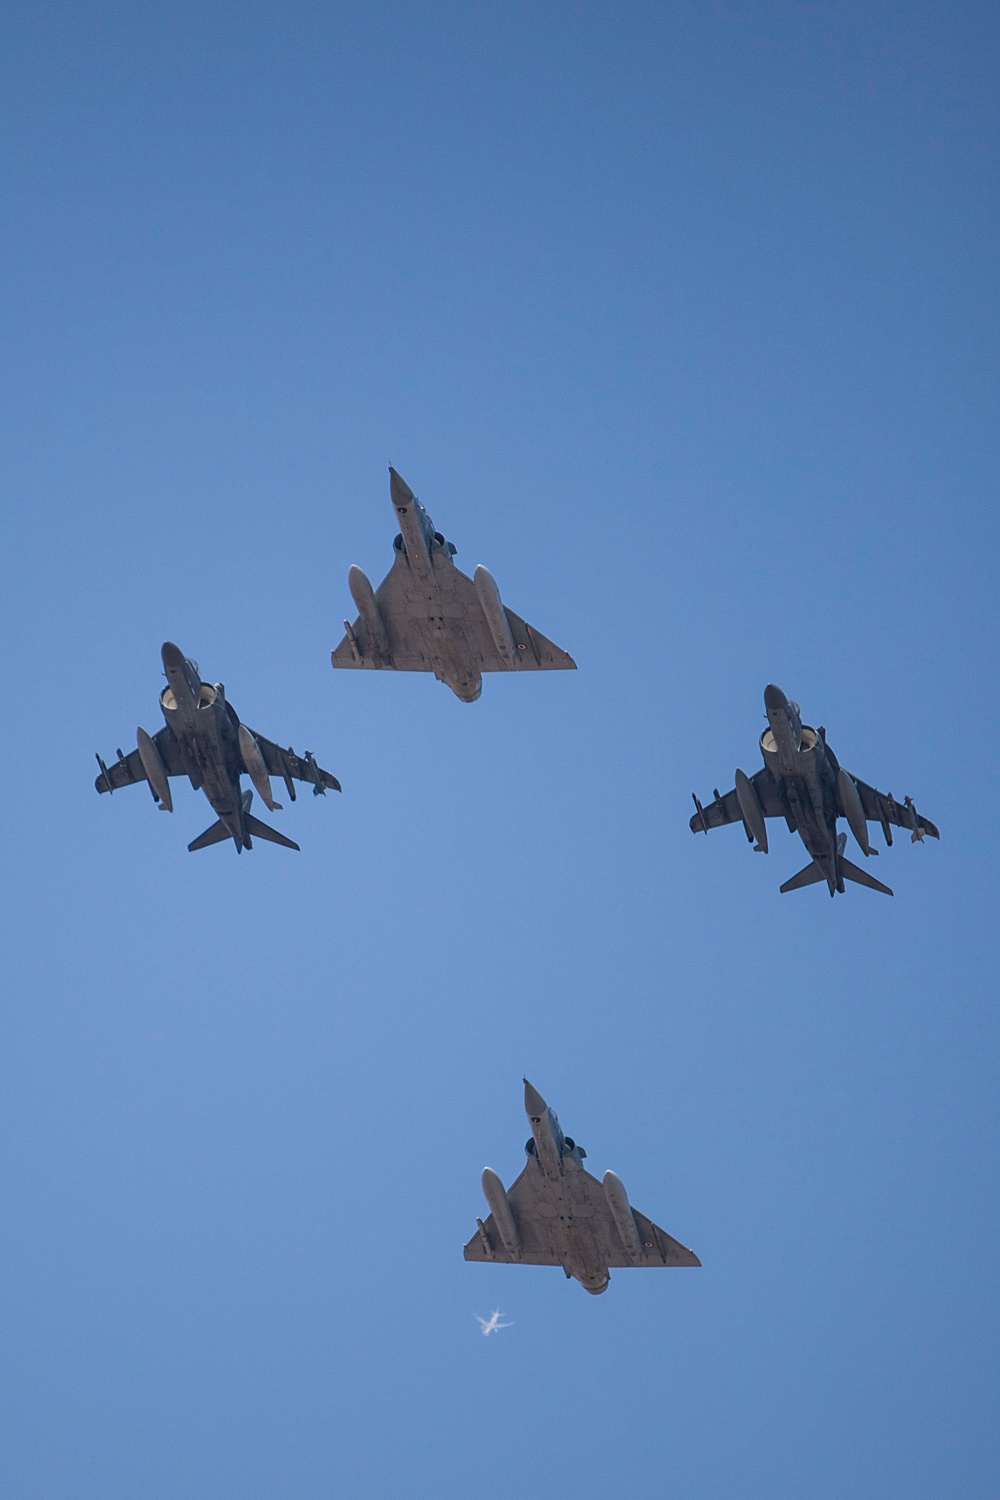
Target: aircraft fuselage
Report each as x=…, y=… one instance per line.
x=555, y=1156
x=805, y=771
x=427, y=557
x=205, y=728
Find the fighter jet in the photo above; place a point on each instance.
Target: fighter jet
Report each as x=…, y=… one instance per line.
x=205, y=741
x=804, y=783
x=427, y=616
x=556, y=1214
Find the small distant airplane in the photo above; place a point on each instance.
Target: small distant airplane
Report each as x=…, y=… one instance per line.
x=492, y=1324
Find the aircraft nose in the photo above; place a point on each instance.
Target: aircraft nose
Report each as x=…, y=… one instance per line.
x=173, y=657
x=774, y=698
x=399, y=489
x=534, y=1105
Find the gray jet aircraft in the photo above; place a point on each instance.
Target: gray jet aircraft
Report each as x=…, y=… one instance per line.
x=556, y=1214
x=427, y=616
x=205, y=741
x=804, y=783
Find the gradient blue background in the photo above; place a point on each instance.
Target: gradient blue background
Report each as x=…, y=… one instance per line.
x=682, y=319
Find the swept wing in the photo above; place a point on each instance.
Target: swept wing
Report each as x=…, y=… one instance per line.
x=421, y=623
x=882, y=807
x=727, y=809
x=547, y=1227
x=289, y=766
x=284, y=763
x=129, y=768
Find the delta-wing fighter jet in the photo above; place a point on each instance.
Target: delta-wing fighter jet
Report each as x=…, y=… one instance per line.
x=205, y=741
x=804, y=783
x=556, y=1214
x=427, y=616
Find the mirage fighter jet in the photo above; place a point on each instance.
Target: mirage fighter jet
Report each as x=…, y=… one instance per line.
x=427, y=616
x=804, y=783
x=205, y=741
x=556, y=1214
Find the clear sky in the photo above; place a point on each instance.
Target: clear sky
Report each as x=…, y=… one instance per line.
x=681, y=318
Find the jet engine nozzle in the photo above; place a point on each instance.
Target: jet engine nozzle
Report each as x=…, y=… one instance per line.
x=595, y=1286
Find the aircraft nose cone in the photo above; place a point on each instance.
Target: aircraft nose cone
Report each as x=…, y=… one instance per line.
x=774, y=698
x=534, y=1104
x=399, y=489
x=173, y=657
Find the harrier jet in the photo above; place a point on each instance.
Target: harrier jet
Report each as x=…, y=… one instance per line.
x=427, y=616
x=205, y=741
x=556, y=1214
x=804, y=783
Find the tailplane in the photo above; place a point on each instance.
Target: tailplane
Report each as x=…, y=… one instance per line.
x=261, y=831
x=861, y=877
x=213, y=835
x=811, y=875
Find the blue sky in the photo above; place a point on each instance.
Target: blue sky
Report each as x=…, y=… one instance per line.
x=682, y=319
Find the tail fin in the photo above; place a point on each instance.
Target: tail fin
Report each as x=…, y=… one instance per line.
x=809, y=876
x=861, y=877
x=261, y=831
x=213, y=835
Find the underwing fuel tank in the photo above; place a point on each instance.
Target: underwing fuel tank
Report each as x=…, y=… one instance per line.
x=496, y=615
x=850, y=801
x=364, y=597
x=753, y=813
x=154, y=768
x=256, y=769
x=496, y=1197
x=621, y=1212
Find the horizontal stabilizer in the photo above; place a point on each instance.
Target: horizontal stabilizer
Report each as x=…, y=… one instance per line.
x=862, y=877
x=261, y=831
x=213, y=835
x=809, y=876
